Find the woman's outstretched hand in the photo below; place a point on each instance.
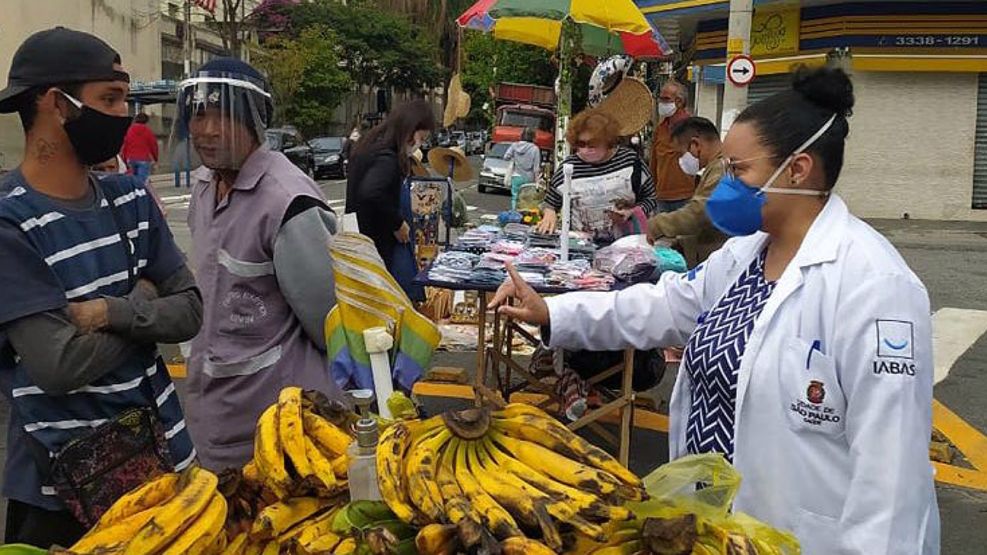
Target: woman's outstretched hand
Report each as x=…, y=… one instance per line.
x=531, y=307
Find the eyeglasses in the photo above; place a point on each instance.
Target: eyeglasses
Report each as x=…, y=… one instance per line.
x=730, y=165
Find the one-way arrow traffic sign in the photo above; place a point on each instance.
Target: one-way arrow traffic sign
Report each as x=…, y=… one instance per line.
x=741, y=70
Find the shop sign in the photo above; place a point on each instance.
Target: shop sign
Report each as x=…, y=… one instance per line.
x=775, y=30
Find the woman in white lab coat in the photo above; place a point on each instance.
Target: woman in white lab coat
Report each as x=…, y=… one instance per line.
x=808, y=356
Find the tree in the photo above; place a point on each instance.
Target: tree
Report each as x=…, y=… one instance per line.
x=232, y=27
x=488, y=61
x=376, y=48
x=306, y=78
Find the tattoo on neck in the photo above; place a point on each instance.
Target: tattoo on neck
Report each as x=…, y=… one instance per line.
x=44, y=150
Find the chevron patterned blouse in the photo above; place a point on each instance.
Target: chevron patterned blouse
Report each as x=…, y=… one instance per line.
x=712, y=359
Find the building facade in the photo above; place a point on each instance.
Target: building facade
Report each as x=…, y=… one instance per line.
x=918, y=139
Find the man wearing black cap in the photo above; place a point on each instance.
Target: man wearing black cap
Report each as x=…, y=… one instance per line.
x=91, y=281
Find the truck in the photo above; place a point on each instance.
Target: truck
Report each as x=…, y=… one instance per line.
x=520, y=106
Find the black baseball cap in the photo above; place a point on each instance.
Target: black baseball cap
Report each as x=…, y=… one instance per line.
x=56, y=56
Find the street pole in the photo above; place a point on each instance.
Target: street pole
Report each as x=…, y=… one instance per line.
x=738, y=42
x=187, y=43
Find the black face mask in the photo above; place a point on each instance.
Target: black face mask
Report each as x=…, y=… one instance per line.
x=96, y=136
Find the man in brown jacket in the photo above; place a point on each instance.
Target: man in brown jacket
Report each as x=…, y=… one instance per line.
x=699, y=141
x=673, y=187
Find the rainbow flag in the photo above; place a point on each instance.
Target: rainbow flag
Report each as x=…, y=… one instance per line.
x=368, y=296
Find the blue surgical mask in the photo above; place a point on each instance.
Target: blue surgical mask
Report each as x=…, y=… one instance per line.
x=735, y=207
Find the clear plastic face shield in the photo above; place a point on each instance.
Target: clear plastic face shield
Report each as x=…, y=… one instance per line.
x=225, y=116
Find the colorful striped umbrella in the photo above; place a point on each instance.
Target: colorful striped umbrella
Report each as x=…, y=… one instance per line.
x=605, y=27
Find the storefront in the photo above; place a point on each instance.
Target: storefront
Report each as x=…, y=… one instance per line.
x=918, y=143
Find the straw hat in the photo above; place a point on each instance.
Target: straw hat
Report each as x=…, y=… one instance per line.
x=441, y=160
x=417, y=167
x=457, y=102
x=631, y=105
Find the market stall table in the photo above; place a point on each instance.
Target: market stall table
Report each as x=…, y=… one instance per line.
x=501, y=354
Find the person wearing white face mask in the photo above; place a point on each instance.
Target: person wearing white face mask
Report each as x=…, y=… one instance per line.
x=809, y=339
x=699, y=141
x=611, y=184
x=673, y=186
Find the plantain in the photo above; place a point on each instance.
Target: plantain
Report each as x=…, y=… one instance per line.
x=271, y=548
x=437, y=539
x=495, y=517
x=275, y=519
x=626, y=548
x=177, y=514
x=346, y=547
x=520, y=498
x=316, y=535
x=587, y=504
x=550, y=433
x=519, y=545
x=250, y=472
x=202, y=533
x=292, y=431
x=340, y=466
x=325, y=434
x=237, y=545
x=321, y=466
x=268, y=455
x=391, y=450
x=146, y=496
x=112, y=537
x=560, y=467
x=420, y=470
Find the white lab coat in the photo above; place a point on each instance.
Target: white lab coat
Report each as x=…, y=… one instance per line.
x=834, y=393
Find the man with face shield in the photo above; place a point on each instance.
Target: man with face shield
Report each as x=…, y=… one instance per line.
x=91, y=280
x=261, y=230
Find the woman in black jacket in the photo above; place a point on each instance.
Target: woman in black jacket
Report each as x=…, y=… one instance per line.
x=378, y=167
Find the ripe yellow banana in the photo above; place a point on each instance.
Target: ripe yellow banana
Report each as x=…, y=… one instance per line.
x=587, y=504
x=346, y=547
x=341, y=466
x=218, y=545
x=457, y=507
x=317, y=536
x=271, y=548
x=560, y=467
x=321, y=467
x=437, y=539
x=115, y=536
x=626, y=548
x=268, y=455
x=520, y=498
x=151, y=494
x=420, y=469
x=177, y=514
x=326, y=434
x=253, y=548
x=202, y=533
x=391, y=449
x=291, y=429
x=495, y=517
x=237, y=545
x=275, y=519
x=520, y=545
x=250, y=472
x=550, y=433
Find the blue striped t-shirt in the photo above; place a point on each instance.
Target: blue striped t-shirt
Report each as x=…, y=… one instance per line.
x=53, y=255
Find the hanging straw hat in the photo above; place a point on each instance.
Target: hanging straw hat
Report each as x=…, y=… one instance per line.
x=457, y=102
x=441, y=160
x=630, y=104
x=417, y=167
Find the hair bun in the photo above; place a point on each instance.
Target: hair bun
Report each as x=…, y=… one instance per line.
x=827, y=87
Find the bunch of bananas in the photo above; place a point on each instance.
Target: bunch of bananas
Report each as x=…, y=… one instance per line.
x=297, y=451
x=297, y=525
x=685, y=533
x=481, y=476
x=171, y=514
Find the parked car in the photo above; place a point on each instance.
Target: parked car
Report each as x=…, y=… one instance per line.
x=494, y=168
x=442, y=139
x=288, y=141
x=476, y=143
x=328, y=152
x=458, y=138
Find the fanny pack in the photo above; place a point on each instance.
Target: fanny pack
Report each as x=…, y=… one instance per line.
x=95, y=469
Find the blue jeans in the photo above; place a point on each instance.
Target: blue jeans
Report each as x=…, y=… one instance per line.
x=670, y=205
x=141, y=169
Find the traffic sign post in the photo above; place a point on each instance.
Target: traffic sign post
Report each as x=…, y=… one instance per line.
x=741, y=70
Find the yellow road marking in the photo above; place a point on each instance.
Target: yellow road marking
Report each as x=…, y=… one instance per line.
x=967, y=439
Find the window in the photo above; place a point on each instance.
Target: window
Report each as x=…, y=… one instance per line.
x=980, y=146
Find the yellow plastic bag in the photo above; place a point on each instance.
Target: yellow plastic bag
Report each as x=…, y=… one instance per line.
x=705, y=486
